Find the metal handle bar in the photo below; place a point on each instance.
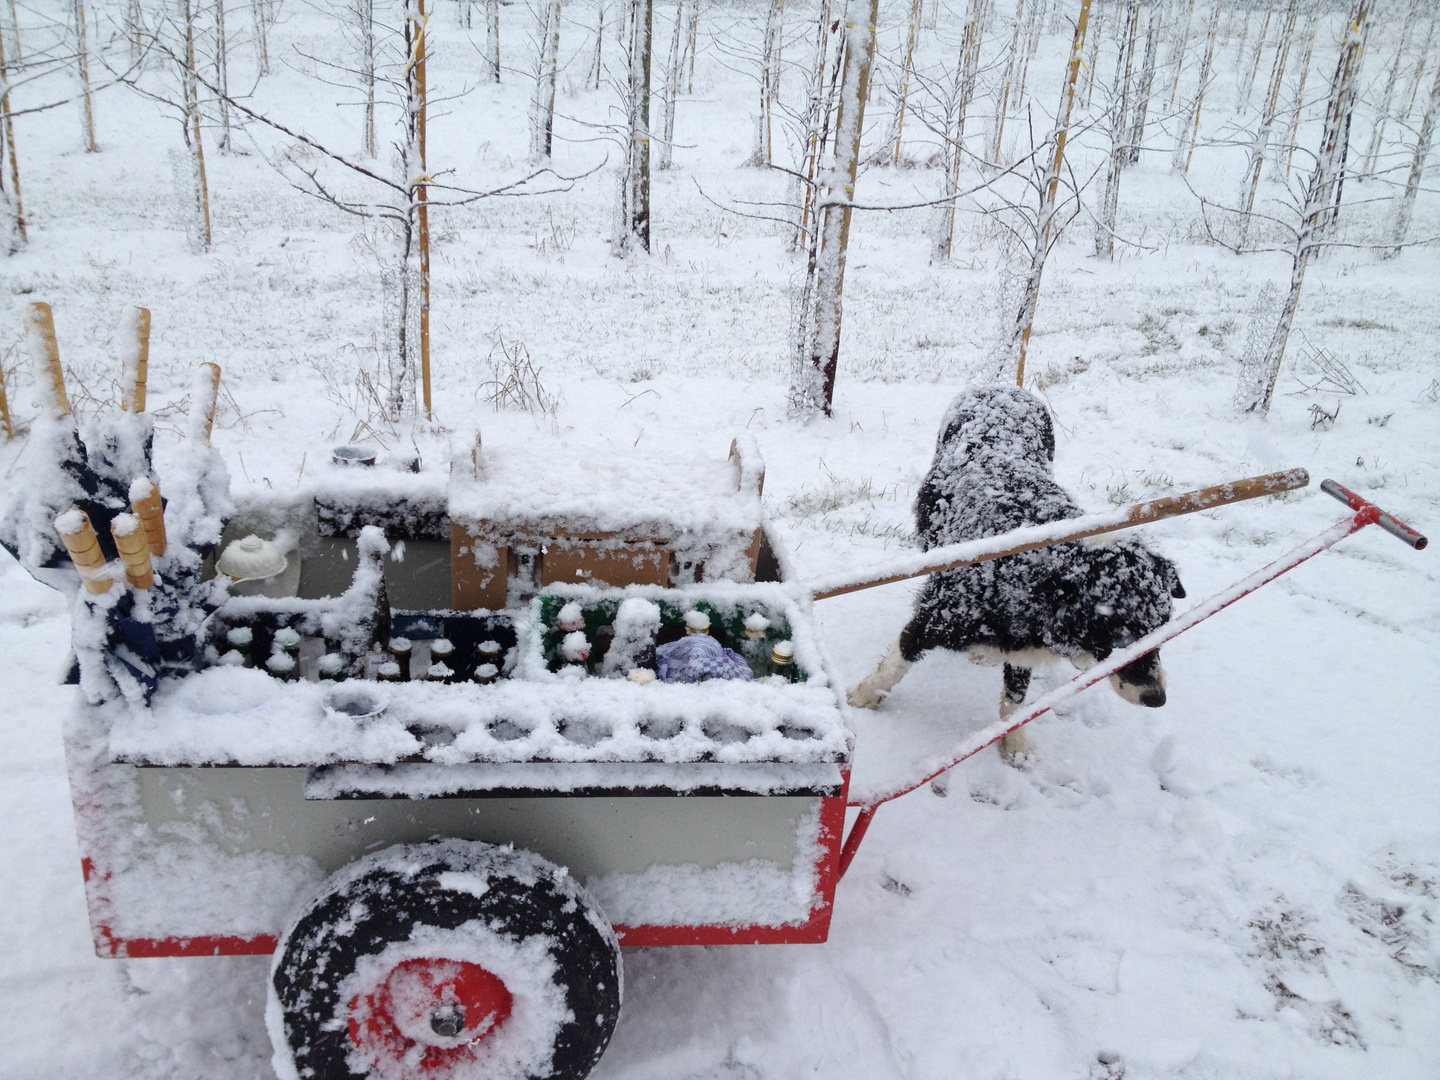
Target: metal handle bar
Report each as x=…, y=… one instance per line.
x=1391, y=525
x=1366, y=513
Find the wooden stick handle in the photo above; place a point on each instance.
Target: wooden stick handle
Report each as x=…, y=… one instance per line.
x=84, y=547
x=205, y=391
x=129, y=537
x=5, y=408
x=1058, y=532
x=145, y=501
x=45, y=352
x=136, y=360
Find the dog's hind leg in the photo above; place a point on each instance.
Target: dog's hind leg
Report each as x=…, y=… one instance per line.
x=869, y=691
x=1015, y=747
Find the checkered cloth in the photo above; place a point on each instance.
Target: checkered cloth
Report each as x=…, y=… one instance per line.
x=697, y=657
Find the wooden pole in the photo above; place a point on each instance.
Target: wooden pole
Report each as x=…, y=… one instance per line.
x=1031, y=537
x=205, y=391
x=145, y=502
x=422, y=206
x=129, y=537
x=5, y=407
x=137, y=362
x=84, y=548
x=45, y=352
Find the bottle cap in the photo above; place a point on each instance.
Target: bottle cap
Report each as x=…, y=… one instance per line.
x=571, y=617
x=441, y=647
x=783, y=652
x=575, y=649
x=240, y=636
x=388, y=671
x=280, y=664
x=287, y=637
x=697, y=622
x=490, y=648
x=330, y=664
x=233, y=658
x=641, y=675
x=756, y=625
x=486, y=672
x=437, y=671
x=400, y=644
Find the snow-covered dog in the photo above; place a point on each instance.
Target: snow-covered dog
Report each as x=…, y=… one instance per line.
x=1077, y=600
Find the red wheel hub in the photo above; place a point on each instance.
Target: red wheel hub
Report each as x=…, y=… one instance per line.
x=427, y=1015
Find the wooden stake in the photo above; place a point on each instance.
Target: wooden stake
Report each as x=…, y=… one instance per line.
x=202, y=403
x=1059, y=532
x=84, y=547
x=5, y=407
x=45, y=353
x=129, y=537
x=145, y=501
x=137, y=363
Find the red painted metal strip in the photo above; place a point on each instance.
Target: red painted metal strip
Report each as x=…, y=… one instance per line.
x=813, y=931
x=857, y=833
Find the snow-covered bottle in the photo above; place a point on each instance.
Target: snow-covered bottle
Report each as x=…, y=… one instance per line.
x=401, y=649
x=758, y=657
x=782, y=661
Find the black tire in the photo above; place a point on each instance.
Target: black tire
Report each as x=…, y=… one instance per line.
x=343, y=996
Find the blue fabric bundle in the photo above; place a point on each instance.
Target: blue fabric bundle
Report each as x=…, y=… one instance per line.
x=697, y=657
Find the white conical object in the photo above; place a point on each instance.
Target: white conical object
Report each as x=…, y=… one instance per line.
x=251, y=558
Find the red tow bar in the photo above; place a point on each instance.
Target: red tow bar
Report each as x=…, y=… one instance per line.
x=1365, y=513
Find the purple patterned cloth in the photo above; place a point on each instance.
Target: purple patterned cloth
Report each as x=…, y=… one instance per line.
x=697, y=657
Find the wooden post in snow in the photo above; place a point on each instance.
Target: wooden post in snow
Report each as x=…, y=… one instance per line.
x=1025, y=318
x=416, y=66
x=82, y=57
x=812, y=387
x=135, y=358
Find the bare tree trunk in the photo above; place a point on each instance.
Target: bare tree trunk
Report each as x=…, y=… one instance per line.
x=1096, y=33
x=1002, y=104
x=82, y=57
x=1405, y=206
x=262, y=43
x=598, y=66
x=416, y=224
x=1037, y=20
x=690, y=45
x=823, y=88
x=1147, y=82
x=1243, y=100
x=672, y=88
x=542, y=101
x=769, y=85
x=365, y=16
x=492, y=37
x=1045, y=221
x=1420, y=63
x=134, y=28
x=19, y=207
x=634, y=223
x=812, y=387
x=192, y=127
x=1377, y=134
x=964, y=90
x=222, y=75
x=1267, y=121
x=15, y=31
x=1312, y=21
x=1185, y=147
x=1180, y=44
x=1322, y=195
x=897, y=124
x=1118, y=124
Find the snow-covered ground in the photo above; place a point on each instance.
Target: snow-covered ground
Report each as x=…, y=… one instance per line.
x=1245, y=883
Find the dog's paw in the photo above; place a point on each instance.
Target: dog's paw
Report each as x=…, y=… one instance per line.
x=864, y=696
x=1016, y=749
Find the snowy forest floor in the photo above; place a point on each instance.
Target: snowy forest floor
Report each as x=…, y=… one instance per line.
x=1245, y=883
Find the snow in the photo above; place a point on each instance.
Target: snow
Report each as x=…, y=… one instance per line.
x=1241, y=884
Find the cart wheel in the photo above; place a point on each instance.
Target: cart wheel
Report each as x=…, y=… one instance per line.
x=449, y=960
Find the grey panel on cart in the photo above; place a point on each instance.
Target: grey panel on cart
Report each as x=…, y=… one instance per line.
x=419, y=581
x=264, y=809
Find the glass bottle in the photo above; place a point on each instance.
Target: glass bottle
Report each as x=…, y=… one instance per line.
x=400, y=649
x=330, y=667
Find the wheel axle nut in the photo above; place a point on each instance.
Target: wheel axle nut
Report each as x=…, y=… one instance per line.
x=448, y=1021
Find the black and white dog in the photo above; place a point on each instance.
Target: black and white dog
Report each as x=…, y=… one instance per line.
x=1076, y=600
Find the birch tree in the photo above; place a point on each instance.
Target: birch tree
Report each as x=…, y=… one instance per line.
x=1321, y=201
x=953, y=134
x=1377, y=133
x=633, y=226
x=820, y=306
x=1267, y=121
x=1190, y=130
x=492, y=38
x=547, y=63
x=1405, y=205
x=1136, y=138
x=672, y=88
x=764, y=152
x=82, y=61
x=907, y=64
x=1117, y=125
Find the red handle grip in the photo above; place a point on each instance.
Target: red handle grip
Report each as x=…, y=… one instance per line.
x=1393, y=526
